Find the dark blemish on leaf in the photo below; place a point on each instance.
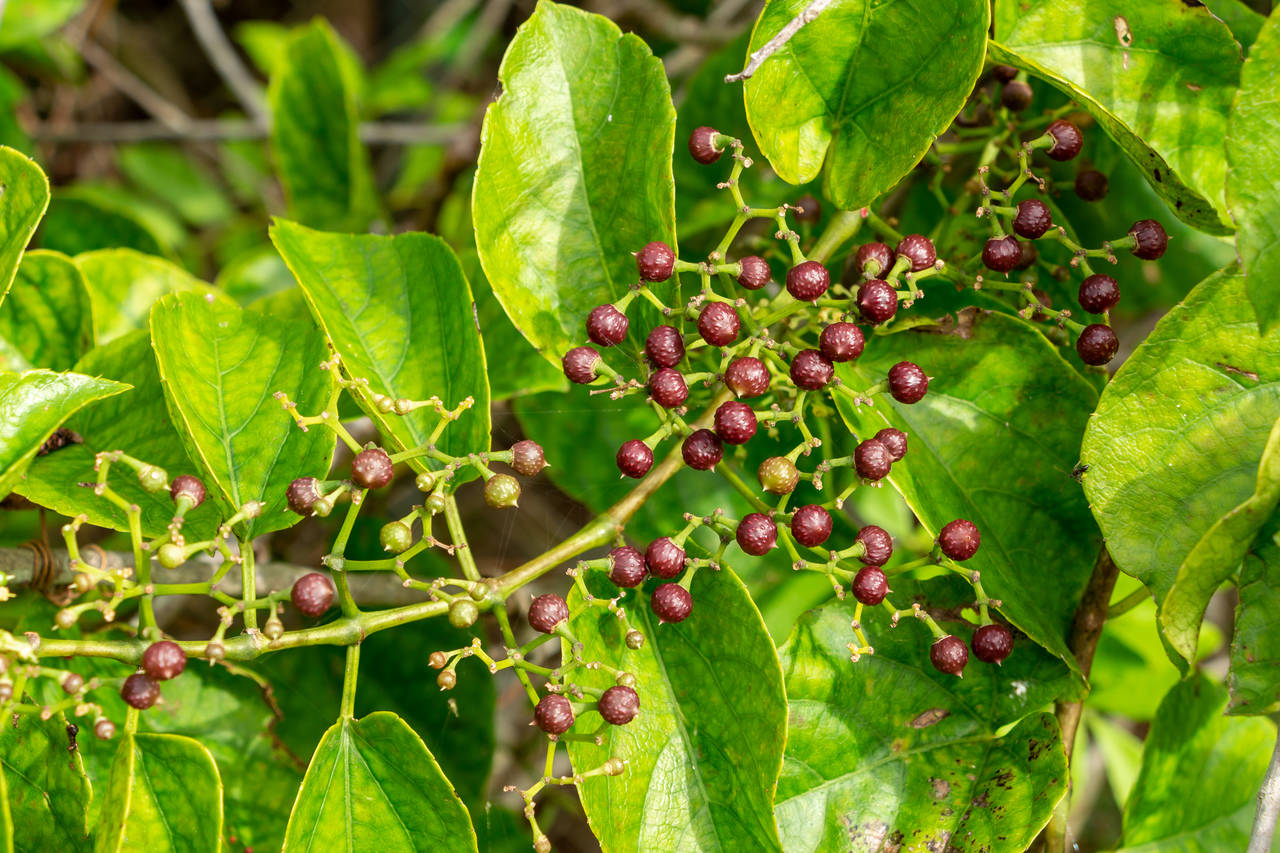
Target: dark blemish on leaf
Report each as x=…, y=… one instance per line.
x=1159, y=179
x=61, y=438
x=929, y=718
x=868, y=836
x=1239, y=371
x=981, y=801
x=940, y=844
x=941, y=787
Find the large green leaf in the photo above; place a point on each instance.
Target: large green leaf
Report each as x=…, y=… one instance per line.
x=31, y=20
x=1177, y=438
x=172, y=176
x=1254, y=678
x=865, y=87
x=315, y=135
x=32, y=405
x=574, y=173
x=48, y=791
x=399, y=312
x=164, y=794
x=887, y=751
x=1157, y=75
x=373, y=786
x=1253, y=155
x=1243, y=21
x=24, y=191
x=221, y=366
x=46, y=320
x=1197, y=790
x=82, y=219
x=704, y=753
x=994, y=441
x=123, y=285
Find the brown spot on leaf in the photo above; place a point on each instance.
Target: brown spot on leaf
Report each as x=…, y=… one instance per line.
x=931, y=717
x=941, y=787
x=1239, y=371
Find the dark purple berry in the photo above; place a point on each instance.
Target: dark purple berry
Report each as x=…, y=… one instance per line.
x=702, y=450
x=949, y=655
x=668, y=389
x=1030, y=254
x=164, y=660
x=635, y=458
x=527, y=458
x=627, y=567
x=302, y=495
x=870, y=586
x=1016, y=96
x=1098, y=293
x=809, y=209
x=907, y=382
x=872, y=459
x=1002, y=253
x=874, y=259
x=877, y=301
x=747, y=376
x=547, y=612
x=189, y=487
x=140, y=691
x=1149, y=239
x=1091, y=185
x=1097, y=344
x=811, y=370
x=755, y=272
x=757, y=534
x=811, y=525
x=894, y=440
x=607, y=325
x=312, y=594
x=664, y=347
x=702, y=145
x=655, y=262
x=959, y=539
x=580, y=365
x=842, y=341
x=1067, y=140
x=992, y=643
x=878, y=544
x=671, y=603
x=807, y=281
x=1033, y=219
x=1004, y=73
x=619, y=705
x=919, y=249
x=718, y=324
x=372, y=468
x=778, y=475
x=554, y=714
x=735, y=422
x=664, y=558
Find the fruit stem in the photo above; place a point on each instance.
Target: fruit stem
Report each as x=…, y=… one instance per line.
x=142, y=564
x=843, y=226
x=349, y=677
x=248, y=584
x=458, y=535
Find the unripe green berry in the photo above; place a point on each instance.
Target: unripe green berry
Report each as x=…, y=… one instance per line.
x=65, y=619
x=153, y=479
x=502, y=491
x=614, y=767
x=274, y=628
x=436, y=503
x=171, y=555
x=463, y=613
x=634, y=640
x=82, y=582
x=626, y=679
x=426, y=481
x=322, y=507
x=395, y=537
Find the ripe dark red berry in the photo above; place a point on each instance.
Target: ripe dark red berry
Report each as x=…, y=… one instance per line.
x=718, y=324
x=188, y=487
x=873, y=259
x=811, y=525
x=907, y=382
x=554, y=714
x=778, y=475
x=664, y=558
x=1067, y=140
x=527, y=458
x=619, y=705
x=872, y=459
x=959, y=539
x=1097, y=344
x=870, y=586
x=878, y=544
x=894, y=440
x=1016, y=96
x=372, y=468
x=1098, y=293
x=1004, y=73
x=1091, y=185
x=140, y=691
x=1029, y=256
x=702, y=450
x=655, y=262
x=627, y=567
x=164, y=660
x=664, y=347
x=949, y=655
x=877, y=301
x=312, y=594
x=668, y=389
x=671, y=603
x=811, y=370
x=1001, y=253
x=810, y=209
x=842, y=341
x=735, y=422
x=1149, y=239
x=607, y=325
x=919, y=249
x=747, y=376
x=1033, y=219
x=992, y=643
x=757, y=534
x=302, y=495
x=579, y=365
x=635, y=458
x=808, y=281
x=702, y=145
x=755, y=272
x=547, y=612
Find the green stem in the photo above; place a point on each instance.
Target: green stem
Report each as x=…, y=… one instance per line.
x=458, y=536
x=248, y=584
x=142, y=565
x=843, y=226
x=349, y=681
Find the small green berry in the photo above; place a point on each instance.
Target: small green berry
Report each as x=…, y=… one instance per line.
x=171, y=555
x=502, y=491
x=395, y=537
x=153, y=479
x=426, y=481
x=463, y=613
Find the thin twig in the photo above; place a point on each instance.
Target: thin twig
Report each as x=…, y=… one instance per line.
x=132, y=85
x=1264, y=822
x=217, y=130
x=775, y=44
x=222, y=55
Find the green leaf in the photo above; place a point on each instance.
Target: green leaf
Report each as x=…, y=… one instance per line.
x=398, y=311
x=1158, y=77
x=704, y=753
x=887, y=751
x=25, y=193
x=373, y=786
x=32, y=405
x=315, y=135
x=32, y=20
x=1253, y=154
x=994, y=441
x=123, y=285
x=1178, y=435
x=1254, y=677
x=83, y=219
x=172, y=177
x=221, y=365
x=164, y=795
x=1121, y=752
x=574, y=172
x=6, y=820
x=865, y=87
x=1197, y=790
x=46, y=320
x=48, y=791
x=1241, y=19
